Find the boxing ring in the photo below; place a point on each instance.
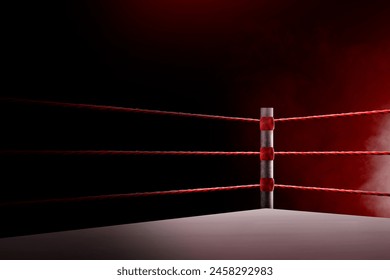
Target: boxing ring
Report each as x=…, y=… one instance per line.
x=265, y=233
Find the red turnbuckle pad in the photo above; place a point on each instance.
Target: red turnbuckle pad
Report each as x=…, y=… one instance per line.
x=267, y=153
x=267, y=184
x=267, y=123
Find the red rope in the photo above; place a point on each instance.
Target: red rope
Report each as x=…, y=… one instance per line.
x=341, y=153
x=354, y=114
x=129, y=110
x=330, y=190
x=112, y=152
x=187, y=191
x=185, y=153
x=129, y=195
x=182, y=114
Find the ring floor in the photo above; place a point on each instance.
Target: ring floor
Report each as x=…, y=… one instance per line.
x=255, y=234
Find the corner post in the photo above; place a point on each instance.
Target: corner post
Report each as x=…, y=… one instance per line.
x=267, y=126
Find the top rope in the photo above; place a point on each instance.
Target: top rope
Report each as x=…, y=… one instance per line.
x=330, y=116
x=128, y=110
x=182, y=114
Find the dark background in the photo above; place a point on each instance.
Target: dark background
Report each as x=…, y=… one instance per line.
x=214, y=57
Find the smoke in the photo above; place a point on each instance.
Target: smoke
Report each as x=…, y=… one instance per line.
x=380, y=170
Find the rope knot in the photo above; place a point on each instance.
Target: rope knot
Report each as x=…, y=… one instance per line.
x=267, y=123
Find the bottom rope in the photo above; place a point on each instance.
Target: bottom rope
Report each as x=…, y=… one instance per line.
x=187, y=191
x=129, y=195
x=331, y=190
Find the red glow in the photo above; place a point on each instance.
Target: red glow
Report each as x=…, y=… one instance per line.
x=300, y=57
